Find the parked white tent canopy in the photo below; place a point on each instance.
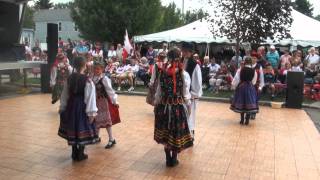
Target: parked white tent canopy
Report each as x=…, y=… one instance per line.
x=304, y=32
x=198, y=32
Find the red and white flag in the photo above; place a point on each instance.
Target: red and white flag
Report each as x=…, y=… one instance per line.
x=127, y=46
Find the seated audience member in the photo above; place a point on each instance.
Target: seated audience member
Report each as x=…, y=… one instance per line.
x=310, y=74
x=110, y=68
x=297, y=56
x=312, y=58
x=269, y=79
x=129, y=73
x=120, y=69
x=205, y=70
x=284, y=59
x=112, y=52
x=81, y=49
x=143, y=72
x=97, y=53
x=283, y=73
x=151, y=55
x=214, y=67
x=296, y=65
x=219, y=78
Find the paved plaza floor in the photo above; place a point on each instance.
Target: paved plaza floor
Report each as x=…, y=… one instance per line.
x=279, y=144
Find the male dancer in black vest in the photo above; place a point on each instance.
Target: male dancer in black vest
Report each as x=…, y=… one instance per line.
x=194, y=70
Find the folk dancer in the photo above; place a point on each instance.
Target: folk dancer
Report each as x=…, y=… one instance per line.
x=245, y=96
x=194, y=71
x=77, y=111
x=60, y=72
x=106, y=99
x=172, y=101
x=260, y=78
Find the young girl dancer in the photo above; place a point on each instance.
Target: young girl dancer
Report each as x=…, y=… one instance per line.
x=105, y=95
x=245, y=96
x=154, y=77
x=59, y=74
x=171, y=112
x=77, y=111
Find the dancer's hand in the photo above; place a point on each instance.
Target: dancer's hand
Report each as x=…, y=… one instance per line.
x=116, y=105
x=189, y=109
x=91, y=119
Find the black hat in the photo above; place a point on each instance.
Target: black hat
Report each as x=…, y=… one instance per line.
x=187, y=46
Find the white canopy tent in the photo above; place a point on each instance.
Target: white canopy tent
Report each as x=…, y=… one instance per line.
x=304, y=32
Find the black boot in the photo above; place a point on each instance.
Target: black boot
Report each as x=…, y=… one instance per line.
x=247, y=119
x=175, y=161
x=74, y=152
x=168, y=157
x=242, y=118
x=253, y=116
x=81, y=154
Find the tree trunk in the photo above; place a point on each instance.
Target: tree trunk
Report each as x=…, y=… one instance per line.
x=237, y=51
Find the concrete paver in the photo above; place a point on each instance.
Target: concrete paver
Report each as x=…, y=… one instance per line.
x=279, y=144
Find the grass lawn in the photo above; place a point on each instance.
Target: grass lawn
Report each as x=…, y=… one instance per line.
x=30, y=80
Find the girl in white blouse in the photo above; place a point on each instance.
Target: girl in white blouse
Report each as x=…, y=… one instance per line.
x=77, y=111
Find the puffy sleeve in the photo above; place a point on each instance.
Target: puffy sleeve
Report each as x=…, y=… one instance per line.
x=101, y=53
x=108, y=87
x=70, y=69
x=186, y=87
x=90, y=99
x=255, y=77
x=196, y=83
x=64, y=97
x=261, y=76
x=153, y=75
x=157, y=96
x=53, y=76
x=236, y=79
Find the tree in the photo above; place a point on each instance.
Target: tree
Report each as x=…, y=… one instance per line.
x=250, y=21
x=304, y=7
x=28, y=17
x=170, y=18
x=63, y=5
x=107, y=20
x=194, y=15
x=43, y=4
x=317, y=17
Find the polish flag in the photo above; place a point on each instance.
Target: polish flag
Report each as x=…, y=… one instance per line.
x=127, y=47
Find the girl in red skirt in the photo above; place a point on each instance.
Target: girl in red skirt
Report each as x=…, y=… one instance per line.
x=107, y=103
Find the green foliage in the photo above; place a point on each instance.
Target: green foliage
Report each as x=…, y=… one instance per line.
x=251, y=21
x=107, y=20
x=194, y=15
x=28, y=17
x=171, y=17
x=63, y=5
x=304, y=7
x=43, y=4
x=317, y=17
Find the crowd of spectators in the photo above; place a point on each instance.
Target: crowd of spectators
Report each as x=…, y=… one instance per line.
x=217, y=72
